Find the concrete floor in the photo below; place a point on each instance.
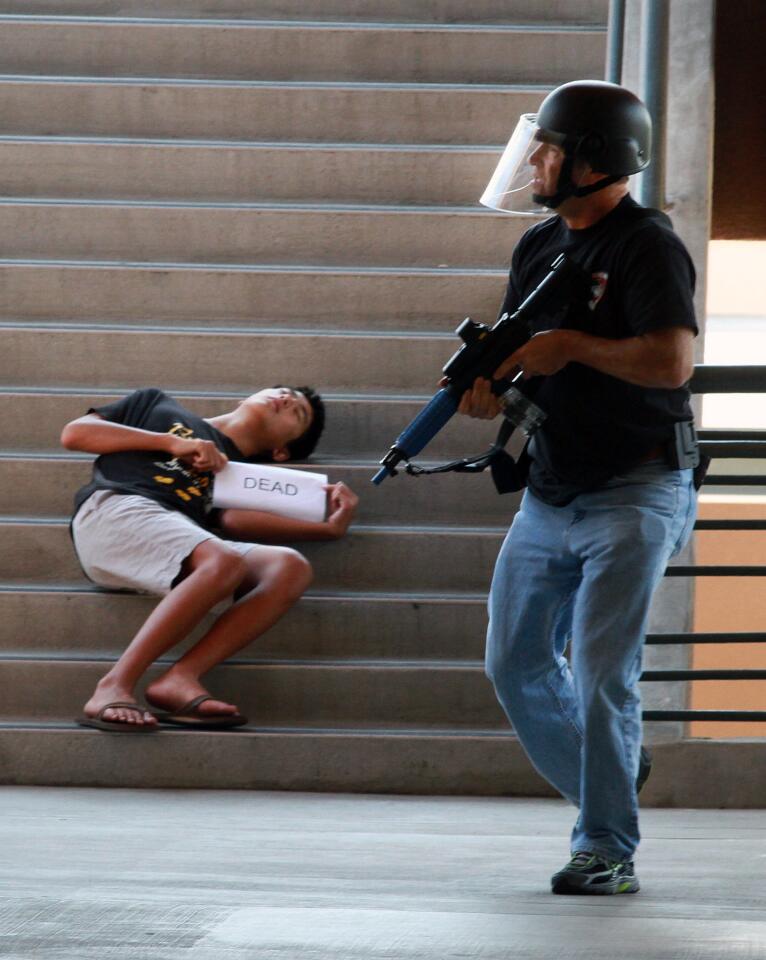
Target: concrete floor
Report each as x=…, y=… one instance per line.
x=185, y=875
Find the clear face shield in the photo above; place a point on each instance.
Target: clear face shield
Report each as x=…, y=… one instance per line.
x=510, y=189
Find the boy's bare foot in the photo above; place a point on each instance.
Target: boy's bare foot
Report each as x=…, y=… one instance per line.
x=171, y=692
x=106, y=693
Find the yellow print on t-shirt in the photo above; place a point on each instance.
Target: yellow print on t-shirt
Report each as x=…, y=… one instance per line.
x=187, y=482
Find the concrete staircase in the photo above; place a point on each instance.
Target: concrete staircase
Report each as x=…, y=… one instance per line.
x=215, y=196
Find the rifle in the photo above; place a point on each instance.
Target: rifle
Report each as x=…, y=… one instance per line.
x=482, y=352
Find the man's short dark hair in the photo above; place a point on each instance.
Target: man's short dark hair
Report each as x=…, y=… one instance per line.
x=303, y=447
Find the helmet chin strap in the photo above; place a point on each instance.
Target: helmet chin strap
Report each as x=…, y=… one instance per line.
x=565, y=186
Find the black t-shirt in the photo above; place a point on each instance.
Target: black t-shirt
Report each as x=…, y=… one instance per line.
x=642, y=279
x=153, y=473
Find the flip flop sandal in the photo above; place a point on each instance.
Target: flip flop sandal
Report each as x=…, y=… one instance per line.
x=189, y=716
x=117, y=726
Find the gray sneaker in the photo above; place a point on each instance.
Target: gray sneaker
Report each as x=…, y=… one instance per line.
x=588, y=873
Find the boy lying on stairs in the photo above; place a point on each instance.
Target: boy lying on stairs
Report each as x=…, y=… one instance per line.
x=145, y=523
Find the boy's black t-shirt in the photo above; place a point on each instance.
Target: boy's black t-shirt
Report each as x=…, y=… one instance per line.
x=155, y=474
x=641, y=280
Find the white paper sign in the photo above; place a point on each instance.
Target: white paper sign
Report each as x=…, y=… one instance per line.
x=262, y=486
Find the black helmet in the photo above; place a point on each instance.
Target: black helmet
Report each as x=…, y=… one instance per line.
x=599, y=123
x=602, y=124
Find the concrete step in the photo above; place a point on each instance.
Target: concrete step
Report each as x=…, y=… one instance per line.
x=436, y=11
x=385, y=298
x=254, y=233
x=310, y=694
x=297, y=111
x=85, y=622
x=228, y=359
x=274, y=50
x=121, y=168
x=367, y=760
x=349, y=693
x=35, y=486
x=373, y=558
x=365, y=426
x=41, y=623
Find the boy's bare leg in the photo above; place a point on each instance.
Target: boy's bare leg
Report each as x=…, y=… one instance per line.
x=276, y=578
x=214, y=573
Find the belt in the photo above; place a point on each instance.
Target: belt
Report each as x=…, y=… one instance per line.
x=657, y=452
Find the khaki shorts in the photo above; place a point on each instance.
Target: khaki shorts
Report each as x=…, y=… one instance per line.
x=130, y=542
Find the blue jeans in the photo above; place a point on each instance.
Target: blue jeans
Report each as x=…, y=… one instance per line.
x=585, y=573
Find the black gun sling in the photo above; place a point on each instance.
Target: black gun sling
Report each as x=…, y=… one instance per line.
x=510, y=475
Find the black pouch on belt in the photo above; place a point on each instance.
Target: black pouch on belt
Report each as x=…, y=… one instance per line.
x=683, y=452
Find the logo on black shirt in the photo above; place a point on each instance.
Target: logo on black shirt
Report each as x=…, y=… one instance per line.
x=597, y=288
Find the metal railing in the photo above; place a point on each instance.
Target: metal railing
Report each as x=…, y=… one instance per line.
x=720, y=444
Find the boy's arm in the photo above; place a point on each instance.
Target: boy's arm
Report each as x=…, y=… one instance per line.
x=270, y=528
x=93, y=434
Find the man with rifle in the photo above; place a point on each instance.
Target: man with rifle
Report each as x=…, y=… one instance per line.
x=609, y=476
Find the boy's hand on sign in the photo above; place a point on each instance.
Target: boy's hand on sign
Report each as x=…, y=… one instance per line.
x=341, y=507
x=202, y=455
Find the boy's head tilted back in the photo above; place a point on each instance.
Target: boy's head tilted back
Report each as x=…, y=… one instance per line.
x=303, y=447
x=276, y=424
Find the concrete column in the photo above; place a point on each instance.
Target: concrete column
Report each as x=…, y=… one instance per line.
x=688, y=191
x=689, y=143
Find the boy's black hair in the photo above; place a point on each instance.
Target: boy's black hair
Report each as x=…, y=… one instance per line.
x=302, y=448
